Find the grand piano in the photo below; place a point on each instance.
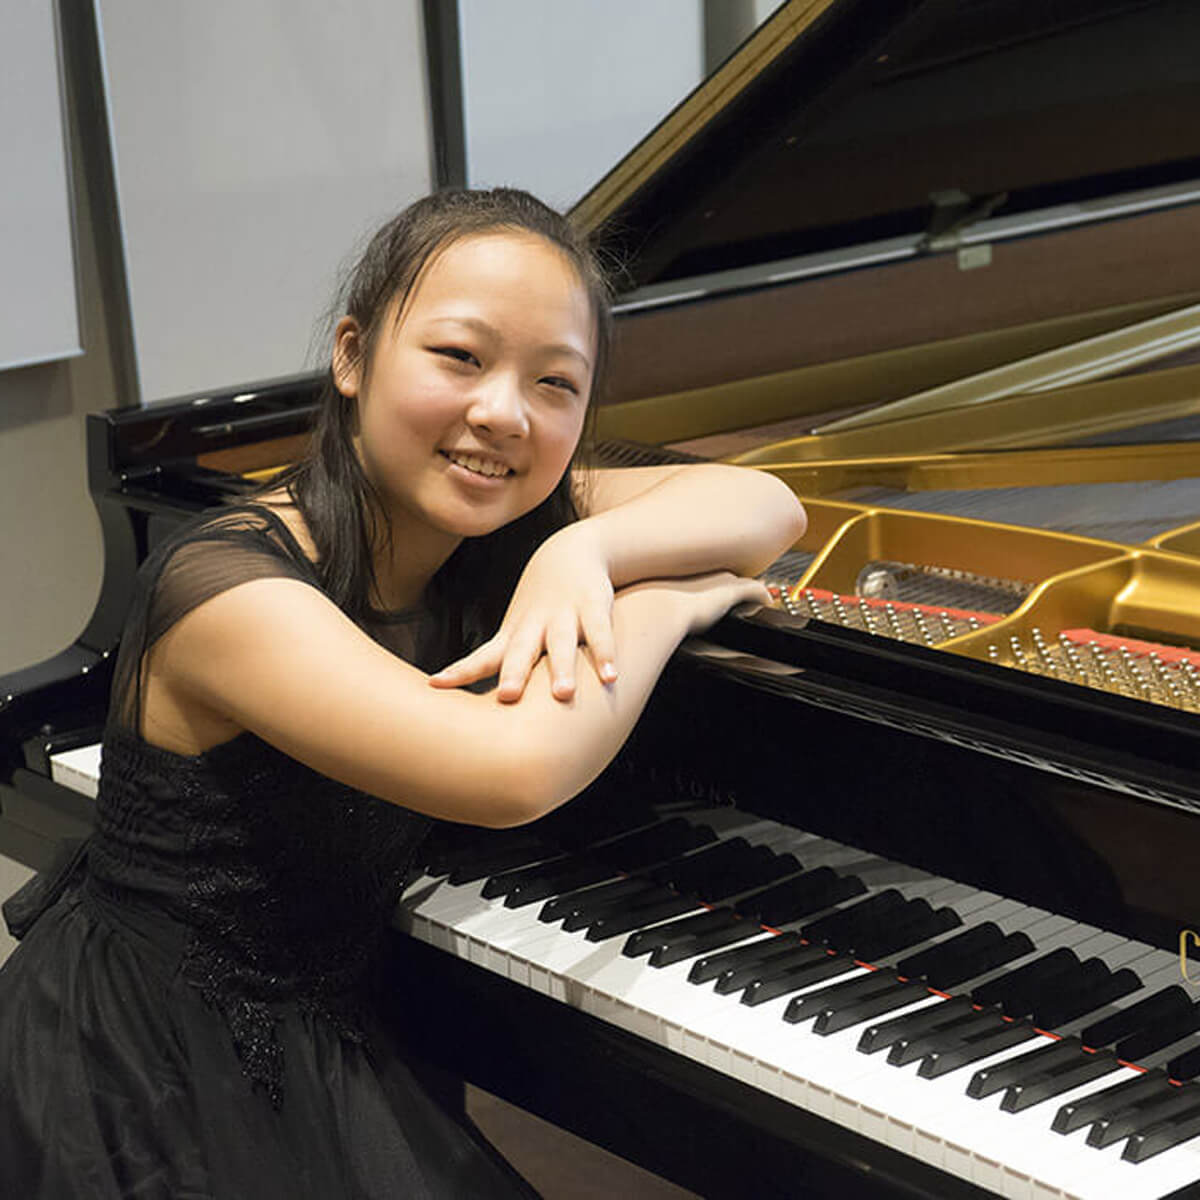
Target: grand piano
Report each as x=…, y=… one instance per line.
x=890, y=891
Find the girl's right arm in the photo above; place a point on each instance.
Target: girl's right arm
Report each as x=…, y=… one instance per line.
x=276, y=657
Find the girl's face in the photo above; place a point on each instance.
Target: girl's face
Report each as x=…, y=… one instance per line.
x=475, y=397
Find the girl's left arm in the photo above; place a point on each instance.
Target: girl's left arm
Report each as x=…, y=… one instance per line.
x=639, y=523
x=668, y=522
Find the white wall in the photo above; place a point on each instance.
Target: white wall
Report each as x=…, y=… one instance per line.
x=556, y=92
x=39, y=319
x=256, y=143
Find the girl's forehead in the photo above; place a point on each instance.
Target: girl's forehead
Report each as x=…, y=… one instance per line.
x=494, y=257
x=500, y=268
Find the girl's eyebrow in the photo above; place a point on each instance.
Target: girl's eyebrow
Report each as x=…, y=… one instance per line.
x=484, y=329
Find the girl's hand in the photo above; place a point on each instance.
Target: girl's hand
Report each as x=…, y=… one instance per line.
x=563, y=598
x=702, y=600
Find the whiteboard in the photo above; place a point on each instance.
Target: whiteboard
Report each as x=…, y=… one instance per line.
x=39, y=306
x=255, y=144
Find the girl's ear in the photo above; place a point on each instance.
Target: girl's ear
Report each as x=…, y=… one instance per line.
x=347, y=357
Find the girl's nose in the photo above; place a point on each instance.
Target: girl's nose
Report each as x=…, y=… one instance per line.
x=499, y=407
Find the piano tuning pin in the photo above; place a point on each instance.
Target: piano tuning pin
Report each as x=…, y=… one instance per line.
x=1018, y=653
x=993, y=652
x=864, y=611
x=1166, y=680
x=1074, y=660
x=1042, y=651
x=922, y=628
x=947, y=624
x=893, y=624
x=973, y=623
x=1140, y=683
x=840, y=610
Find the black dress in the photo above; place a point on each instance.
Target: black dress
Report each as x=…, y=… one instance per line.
x=192, y=1010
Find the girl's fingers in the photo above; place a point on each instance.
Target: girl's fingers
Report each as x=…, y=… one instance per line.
x=522, y=652
x=562, y=645
x=483, y=662
x=597, y=635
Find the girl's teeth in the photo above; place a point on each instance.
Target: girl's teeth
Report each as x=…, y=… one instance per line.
x=478, y=465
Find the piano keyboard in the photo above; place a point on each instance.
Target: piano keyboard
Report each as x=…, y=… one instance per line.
x=838, y=1027
x=827, y=1023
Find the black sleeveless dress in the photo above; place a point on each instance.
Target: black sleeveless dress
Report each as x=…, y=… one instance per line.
x=193, y=1010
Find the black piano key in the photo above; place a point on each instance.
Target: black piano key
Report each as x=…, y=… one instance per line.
x=1064, y=985
x=630, y=851
x=644, y=941
x=848, y=991
x=625, y=921
x=761, y=866
x=654, y=844
x=502, y=882
x=1075, y=1114
x=988, y=1080
x=701, y=943
x=693, y=871
x=920, y=929
x=1011, y=1033
x=981, y=962
x=795, y=978
x=800, y=896
x=480, y=862
x=881, y=1036
x=898, y=995
x=736, y=979
x=1161, y=1006
x=569, y=876
x=1064, y=979
x=593, y=900
x=1185, y=1066
x=850, y=921
x=1163, y=1136
x=712, y=966
x=1140, y=1114
x=1160, y=1035
x=1043, y=1087
x=951, y=951
x=907, y=1049
x=1069, y=1008
x=1011, y=982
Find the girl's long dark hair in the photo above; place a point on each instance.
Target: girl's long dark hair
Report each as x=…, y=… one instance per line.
x=345, y=517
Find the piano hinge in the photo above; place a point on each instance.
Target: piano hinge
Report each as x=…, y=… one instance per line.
x=954, y=212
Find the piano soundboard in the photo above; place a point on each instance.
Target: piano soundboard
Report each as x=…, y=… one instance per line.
x=1013, y=1048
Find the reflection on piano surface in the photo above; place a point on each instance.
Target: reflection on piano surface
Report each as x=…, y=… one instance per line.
x=884, y=895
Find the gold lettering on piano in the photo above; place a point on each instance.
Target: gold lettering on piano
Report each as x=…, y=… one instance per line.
x=1186, y=936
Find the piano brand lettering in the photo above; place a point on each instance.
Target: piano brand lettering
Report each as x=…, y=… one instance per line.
x=1188, y=937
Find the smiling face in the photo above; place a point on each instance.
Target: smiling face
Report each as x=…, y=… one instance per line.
x=476, y=393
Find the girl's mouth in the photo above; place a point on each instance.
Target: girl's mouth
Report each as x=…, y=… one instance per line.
x=489, y=468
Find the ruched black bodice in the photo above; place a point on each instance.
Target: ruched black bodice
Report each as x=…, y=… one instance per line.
x=193, y=1009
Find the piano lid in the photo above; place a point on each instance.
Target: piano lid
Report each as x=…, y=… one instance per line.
x=851, y=123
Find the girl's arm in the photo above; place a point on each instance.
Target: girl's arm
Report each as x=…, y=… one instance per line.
x=666, y=522
x=276, y=657
x=640, y=523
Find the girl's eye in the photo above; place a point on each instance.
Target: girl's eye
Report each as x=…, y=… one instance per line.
x=457, y=353
x=557, y=381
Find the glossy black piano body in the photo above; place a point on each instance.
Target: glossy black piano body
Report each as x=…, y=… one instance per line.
x=1079, y=801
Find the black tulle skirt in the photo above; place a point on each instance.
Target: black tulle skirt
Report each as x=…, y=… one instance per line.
x=118, y=1080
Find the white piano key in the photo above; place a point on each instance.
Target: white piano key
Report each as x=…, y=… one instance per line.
x=78, y=769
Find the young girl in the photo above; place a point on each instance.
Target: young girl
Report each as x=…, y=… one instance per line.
x=192, y=1012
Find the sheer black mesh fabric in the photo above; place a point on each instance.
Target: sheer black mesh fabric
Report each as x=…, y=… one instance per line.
x=195, y=1006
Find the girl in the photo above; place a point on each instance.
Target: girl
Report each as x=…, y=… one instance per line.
x=193, y=1014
